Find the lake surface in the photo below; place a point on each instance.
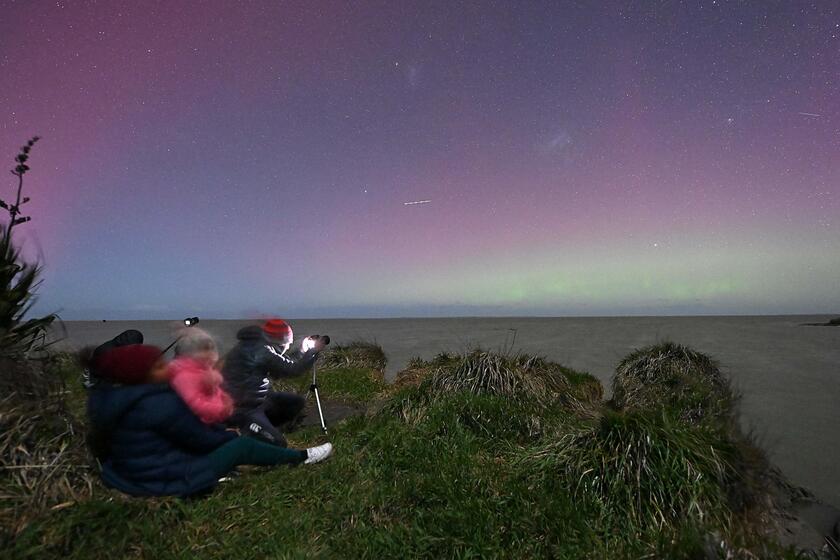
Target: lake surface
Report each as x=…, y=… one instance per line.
x=789, y=374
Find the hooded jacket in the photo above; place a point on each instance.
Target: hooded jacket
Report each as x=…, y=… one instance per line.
x=199, y=386
x=249, y=365
x=155, y=445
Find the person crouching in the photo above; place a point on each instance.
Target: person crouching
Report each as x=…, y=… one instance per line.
x=260, y=355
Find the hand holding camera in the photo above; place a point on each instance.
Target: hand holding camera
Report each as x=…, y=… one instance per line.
x=315, y=342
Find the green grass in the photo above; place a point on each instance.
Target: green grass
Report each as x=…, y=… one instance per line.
x=353, y=384
x=642, y=471
x=354, y=373
x=475, y=460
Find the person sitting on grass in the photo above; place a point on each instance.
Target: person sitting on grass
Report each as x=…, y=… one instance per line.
x=153, y=444
x=260, y=354
x=193, y=375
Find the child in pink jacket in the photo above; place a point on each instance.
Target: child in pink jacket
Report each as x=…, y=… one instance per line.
x=193, y=375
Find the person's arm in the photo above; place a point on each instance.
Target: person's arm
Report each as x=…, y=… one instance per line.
x=278, y=365
x=183, y=428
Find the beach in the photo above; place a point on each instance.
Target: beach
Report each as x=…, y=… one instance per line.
x=789, y=374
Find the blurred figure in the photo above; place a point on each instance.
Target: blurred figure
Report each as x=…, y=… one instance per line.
x=152, y=443
x=261, y=354
x=193, y=375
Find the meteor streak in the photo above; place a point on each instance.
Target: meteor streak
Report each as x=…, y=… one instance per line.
x=416, y=202
x=810, y=114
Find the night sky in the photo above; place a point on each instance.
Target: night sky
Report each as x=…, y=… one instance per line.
x=578, y=158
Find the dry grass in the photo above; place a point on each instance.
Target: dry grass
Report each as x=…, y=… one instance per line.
x=676, y=377
x=533, y=385
x=418, y=369
x=358, y=354
x=45, y=464
x=488, y=373
x=481, y=372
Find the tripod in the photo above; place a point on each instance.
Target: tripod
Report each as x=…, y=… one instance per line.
x=314, y=389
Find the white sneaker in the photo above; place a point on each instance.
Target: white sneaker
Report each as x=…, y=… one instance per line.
x=317, y=454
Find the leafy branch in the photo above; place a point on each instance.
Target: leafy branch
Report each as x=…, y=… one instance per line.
x=18, y=279
x=19, y=171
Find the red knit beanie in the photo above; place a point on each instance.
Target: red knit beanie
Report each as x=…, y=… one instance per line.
x=279, y=330
x=129, y=364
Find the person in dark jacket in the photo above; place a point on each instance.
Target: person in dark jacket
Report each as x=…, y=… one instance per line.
x=261, y=354
x=155, y=445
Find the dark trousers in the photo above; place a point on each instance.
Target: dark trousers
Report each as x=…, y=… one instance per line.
x=264, y=421
x=249, y=451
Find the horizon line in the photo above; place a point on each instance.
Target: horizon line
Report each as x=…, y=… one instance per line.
x=413, y=317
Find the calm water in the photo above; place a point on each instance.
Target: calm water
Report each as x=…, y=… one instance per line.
x=789, y=374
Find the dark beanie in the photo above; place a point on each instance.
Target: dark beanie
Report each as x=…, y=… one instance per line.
x=128, y=364
x=278, y=329
x=131, y=336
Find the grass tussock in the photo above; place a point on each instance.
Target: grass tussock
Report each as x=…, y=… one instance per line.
x=521, y=377
x=673, y=376
x=418, y=369
x=492, y=395
x=642, y=471
x=487, y=373
x=358, y=354
x=45, y=463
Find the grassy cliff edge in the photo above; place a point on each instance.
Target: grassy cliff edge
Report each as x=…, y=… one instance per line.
x=472, y=455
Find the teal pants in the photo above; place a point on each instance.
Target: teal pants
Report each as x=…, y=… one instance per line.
x=250, y=451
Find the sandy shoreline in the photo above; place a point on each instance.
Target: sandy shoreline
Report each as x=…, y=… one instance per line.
x=789, y=374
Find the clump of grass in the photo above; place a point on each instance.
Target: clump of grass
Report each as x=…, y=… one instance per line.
x=673, y=376
x=524, y=395
x=481, y=372
x=485, y=416
x=642, y=471
x=582, y=386
x=358, y=354
x=42, y=449
x=418, y=369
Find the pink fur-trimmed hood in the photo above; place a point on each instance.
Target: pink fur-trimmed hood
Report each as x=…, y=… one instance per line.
x=199, y=386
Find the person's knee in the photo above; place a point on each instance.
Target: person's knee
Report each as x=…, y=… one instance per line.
x=298, y=405
x=265, y=433
x=287, y=405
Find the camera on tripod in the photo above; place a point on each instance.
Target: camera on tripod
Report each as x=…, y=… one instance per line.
x=320, y=337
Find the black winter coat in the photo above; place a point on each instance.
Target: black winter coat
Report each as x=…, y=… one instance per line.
x=249, y=365
x=156, y=446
